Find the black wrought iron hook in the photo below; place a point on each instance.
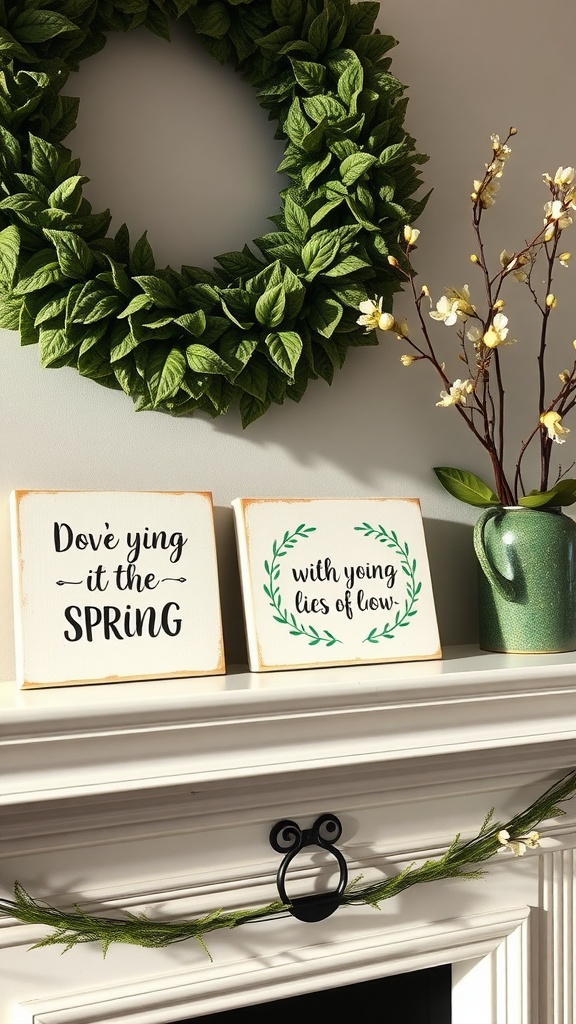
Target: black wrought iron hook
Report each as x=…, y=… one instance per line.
x=288, y=838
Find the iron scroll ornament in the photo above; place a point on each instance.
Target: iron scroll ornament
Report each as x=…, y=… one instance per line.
x=288, y=838
x=268, y=319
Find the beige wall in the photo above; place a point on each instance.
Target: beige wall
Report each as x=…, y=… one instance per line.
x=175, y=144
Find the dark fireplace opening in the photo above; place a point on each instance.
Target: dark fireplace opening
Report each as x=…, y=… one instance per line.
x=420, y=997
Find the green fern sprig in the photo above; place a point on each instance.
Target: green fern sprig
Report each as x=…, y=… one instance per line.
x=70, y=928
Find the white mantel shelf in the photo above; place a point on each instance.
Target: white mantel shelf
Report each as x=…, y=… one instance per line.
x=158, y=733
x=159, y=796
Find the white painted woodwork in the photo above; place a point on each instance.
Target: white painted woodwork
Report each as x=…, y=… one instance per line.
x=159, y=797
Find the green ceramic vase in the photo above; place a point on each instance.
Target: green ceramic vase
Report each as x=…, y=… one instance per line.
x=527, y=580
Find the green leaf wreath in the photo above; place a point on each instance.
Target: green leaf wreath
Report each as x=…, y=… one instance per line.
x=72, y=927
x=256, y=328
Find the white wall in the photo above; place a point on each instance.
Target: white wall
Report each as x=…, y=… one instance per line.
x=175, y=144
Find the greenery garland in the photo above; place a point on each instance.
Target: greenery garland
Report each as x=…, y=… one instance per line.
x=268, y=319
x=73, y=927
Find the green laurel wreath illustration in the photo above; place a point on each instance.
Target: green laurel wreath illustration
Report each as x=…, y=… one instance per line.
x=266, y=320
x=413, y=588
x=272, y=589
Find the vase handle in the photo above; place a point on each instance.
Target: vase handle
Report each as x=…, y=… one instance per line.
x=503, y=586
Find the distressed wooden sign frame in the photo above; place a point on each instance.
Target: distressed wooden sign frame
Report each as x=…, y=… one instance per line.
x=113, y=586
x=334, y=582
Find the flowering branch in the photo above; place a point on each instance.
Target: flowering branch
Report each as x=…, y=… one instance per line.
x=480, y=398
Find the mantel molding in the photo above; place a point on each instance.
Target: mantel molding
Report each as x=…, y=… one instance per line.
x=305, y=968
x=78, y=741
x=159, y=797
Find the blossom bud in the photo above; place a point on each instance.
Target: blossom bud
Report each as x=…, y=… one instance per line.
x=513, y=131
x=407, y=360
x=473, y=258
x=551, y=301
x=549, y=233
x=386, y=322
x=499, y=304
x=565, y=376
x=392, y=261
x=564, y=258
x=425, y=291
x=411, y=234
x=564, y=176
x=574, y=343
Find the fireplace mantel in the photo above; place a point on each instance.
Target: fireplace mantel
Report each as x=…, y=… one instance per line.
x=159, y=796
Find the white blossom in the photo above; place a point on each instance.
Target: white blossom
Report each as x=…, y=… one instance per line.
x=517, y=846
x=457, y=395
x=497, y=331
x=553, y=422
x=564, y=176
x=373, y=317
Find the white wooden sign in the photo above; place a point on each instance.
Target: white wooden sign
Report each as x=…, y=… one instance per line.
x=334, y=582
x=110, y=586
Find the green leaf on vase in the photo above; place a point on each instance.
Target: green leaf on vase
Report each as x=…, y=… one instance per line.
x=466, y=487
x=562, y=493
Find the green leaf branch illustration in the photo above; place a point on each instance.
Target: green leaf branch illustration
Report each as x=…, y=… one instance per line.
x=513, y=837
x=272, y=589
x=413, y=587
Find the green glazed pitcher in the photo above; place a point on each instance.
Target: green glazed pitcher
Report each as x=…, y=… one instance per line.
x=527, y=580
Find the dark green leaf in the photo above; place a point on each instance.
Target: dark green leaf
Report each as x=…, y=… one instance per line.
x=284, y=348
x=320, y=252
x=194, y=323
x=562, y=493
x=212, y=20
x=9, y=250
x=10, y=311
x=142, y=257
x=346, y=266
x=10, y=47
x=41, y=270
x=251, y=409
x=165, y=371
x=350, y=82
x=270, y=306
x=325, y=315
x=254, y=378
x=55, y=347
x=296, y=126
x=158, y=290
x=94, y=304
x=296, y=218
x=37, y=26
x=354, y=166
x=202, y=359
x=74, y=256
x=466, y=487
x=68, y=195
x=309, y=74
